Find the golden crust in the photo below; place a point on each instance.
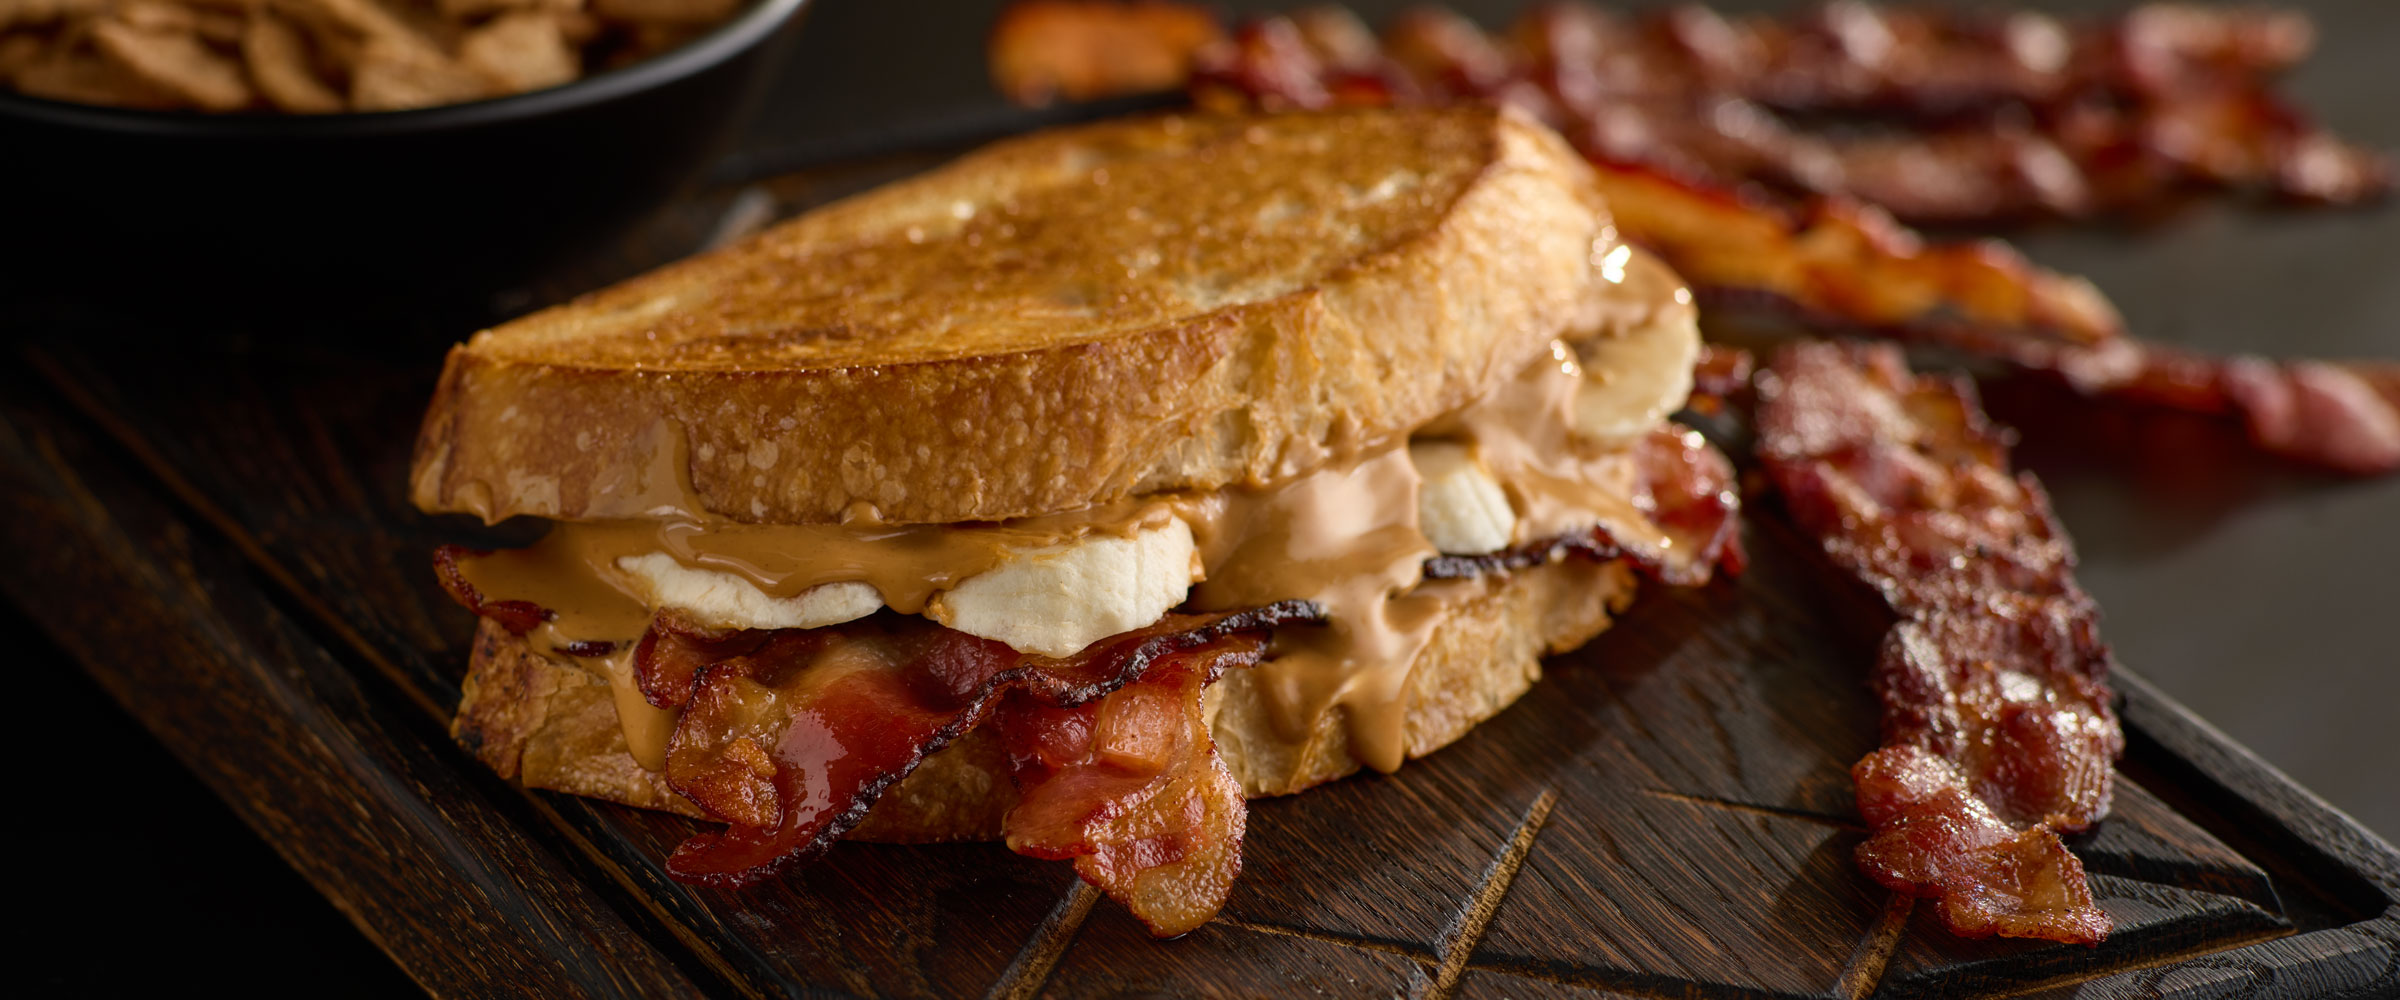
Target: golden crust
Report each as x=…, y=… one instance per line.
x=1011, y=335
x=551, y=725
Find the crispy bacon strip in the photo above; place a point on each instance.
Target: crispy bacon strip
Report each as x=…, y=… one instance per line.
x=1935, y=62
x=1998, y=730
x=1722, y=373
x=791, y=739
x=1830, y=256
x=518, y=617
x=1991, y=118
x=1131, y=788
x=2342, y=416
x=1084, y=49
x=1686, y=488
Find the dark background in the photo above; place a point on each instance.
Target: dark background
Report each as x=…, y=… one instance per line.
x=2263, y=598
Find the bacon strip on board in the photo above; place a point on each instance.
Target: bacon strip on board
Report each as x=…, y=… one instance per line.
x=1998, y=729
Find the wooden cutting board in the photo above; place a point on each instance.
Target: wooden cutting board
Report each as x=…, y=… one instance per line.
x=214, y=525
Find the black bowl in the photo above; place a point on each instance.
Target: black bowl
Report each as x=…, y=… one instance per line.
x=454, y=200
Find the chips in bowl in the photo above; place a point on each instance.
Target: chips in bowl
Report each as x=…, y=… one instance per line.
x=327, y=56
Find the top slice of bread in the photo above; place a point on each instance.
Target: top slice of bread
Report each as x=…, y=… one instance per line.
x=1080, y=315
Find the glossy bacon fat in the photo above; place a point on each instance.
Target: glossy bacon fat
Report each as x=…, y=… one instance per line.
x=2342, y=416
x=1983, y=116
x=1130, y=787
x=1998, y=730
x=789, y=736
x=1685, y=486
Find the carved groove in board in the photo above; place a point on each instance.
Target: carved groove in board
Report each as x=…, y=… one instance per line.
x=1025, y=975
x=1566, y=982
x=1479, y=909
x=1496, y=984
x=1346, y=941
x=1714, y=802
x=1864, y=971
x=2144, y=840
x=2155, y=923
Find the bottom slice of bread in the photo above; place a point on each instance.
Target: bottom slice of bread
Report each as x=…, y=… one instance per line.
x=552, y=724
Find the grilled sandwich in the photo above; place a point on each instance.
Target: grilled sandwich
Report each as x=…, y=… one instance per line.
x=1075, y=492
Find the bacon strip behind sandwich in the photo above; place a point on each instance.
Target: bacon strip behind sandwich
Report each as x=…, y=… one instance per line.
x=2342, y=416
x=1830, y=256
x=1998, y=729
x=1987, y=118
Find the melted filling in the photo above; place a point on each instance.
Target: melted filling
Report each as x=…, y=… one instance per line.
x=1345, y=536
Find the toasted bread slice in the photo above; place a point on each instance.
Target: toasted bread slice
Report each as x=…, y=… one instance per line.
x=550, y=724
x=1180, y=302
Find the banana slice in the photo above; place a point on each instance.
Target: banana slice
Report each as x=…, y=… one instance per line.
x=1634, y=380
x=1461, y=508
x=722, y=600
x=1055, y=600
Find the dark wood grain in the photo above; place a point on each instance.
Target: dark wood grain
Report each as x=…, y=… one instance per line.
x=217, y=530
x=389, y=826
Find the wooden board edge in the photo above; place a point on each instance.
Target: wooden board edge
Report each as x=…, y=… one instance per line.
x=2232, y=770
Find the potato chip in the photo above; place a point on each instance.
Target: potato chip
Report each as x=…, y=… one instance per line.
x=158, y=18
x=369, y=21
x=332, y=50
x=77, y=73
x=395, y=76
x=687, y=12
x=324, y=56
x=220, y=27
x=648, y=39
x=519, y=52
x=278, y=59
x=175, y=62
x=14, y=12
x=578, y=25
x=468, y=10
x=20, y=50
